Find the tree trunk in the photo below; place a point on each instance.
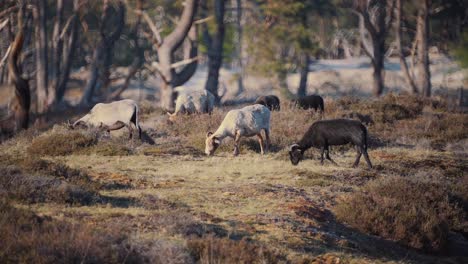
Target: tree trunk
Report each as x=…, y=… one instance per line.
x=39, y=15
x=102, y=56
x=22, y=100
x=215, y=50
x=166, y=51
x=56, y=50
x=302, y=90
x=424, y=80
x=139, y=56
x=240, y=63
x=67, y=56
x=373, y=19
x=378, y=64
x=403, y=64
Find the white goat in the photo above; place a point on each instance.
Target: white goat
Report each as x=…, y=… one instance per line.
x=192, y=102
x=246, y=122
x=113, y=116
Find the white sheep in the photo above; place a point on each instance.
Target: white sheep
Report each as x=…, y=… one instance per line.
x=245, y=122
x=112, y=116
x=192, y=102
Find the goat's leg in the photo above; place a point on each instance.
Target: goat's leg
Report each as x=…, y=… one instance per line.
x=139, y=132
x=117, y=125
x=267, y=137
x=260, y=141
x=358, y=156
x=130, y=130
x=237, y=143
x=321, y=155
x=327, y=155
x=366, y=156
x=136, y=128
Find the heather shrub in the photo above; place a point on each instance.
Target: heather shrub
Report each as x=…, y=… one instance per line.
x=59, y=144
x=37, y=188
x=223, y=250
x=413, y=213
x=28, y=238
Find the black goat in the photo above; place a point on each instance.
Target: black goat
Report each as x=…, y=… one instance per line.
x=272, y=102
x=310, y=101
x=365, y=119
x=325, y=133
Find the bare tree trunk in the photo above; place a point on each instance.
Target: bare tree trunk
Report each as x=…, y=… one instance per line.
x=166, y=51
x=138, y=61
x=22, y=101
x=302, y=90
x=403, y=64
x=103, y=53
x=215, y=50
x=424, y=80
x=56, y=50
x=240, y=63
x=373, y=18
x=378, y=64
x=39, y=15
x=67, y=54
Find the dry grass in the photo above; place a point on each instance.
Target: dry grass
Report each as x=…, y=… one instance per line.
x=414, y=213
x=28, y=238
x=59, y=144
x=168, y=201
x=220, y=250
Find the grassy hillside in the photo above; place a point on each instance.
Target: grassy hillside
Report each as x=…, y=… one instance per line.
x=86, y=197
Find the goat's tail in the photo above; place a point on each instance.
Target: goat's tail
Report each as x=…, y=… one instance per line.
x=135, y=120
x=364, y=140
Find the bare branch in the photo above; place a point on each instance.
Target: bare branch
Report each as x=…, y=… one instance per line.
x=66, y=27
x=152, y=26
x=2, y=62
x=364, y=41
x=184, y=62
x=203, y=20
x=3, y=24
x=8, y=11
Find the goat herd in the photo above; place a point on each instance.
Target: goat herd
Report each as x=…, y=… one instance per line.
x=245, y=122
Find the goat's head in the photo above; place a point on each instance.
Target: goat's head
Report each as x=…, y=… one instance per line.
x=211, y=143
x=295, y=154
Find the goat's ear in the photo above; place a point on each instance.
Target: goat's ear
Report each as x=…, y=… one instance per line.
x=209, y=134
x=169, y=114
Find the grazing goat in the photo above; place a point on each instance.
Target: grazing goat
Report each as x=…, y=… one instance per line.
x=310, y=101
x=245, y=122
x=365, y=119
x=325, y=133
x=191, y=102
x=270, y=101
x=112, y=116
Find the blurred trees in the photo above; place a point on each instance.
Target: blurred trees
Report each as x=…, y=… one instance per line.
x=214, y=42
x=375, y=19
x=110, y=31
x=273, y=38
x=21, y=102
x=283, y=37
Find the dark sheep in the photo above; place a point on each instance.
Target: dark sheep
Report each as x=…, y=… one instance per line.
x=310, y=101
x=272, y=102
x=365, y=119
x=325, y=133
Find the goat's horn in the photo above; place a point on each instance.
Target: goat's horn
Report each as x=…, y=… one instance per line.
x=293, y=146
